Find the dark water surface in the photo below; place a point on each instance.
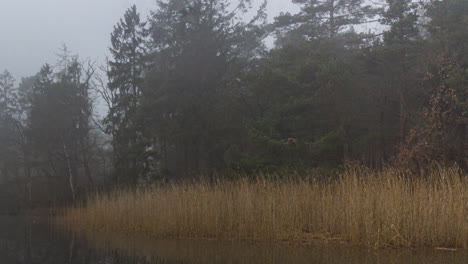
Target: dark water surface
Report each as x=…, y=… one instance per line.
x=31, y=240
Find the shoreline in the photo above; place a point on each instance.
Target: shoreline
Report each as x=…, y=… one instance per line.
x=304, y=242
x=205, y=250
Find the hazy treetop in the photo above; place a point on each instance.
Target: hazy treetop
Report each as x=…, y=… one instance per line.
x=32, y=31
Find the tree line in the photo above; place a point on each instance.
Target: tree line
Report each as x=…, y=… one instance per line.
x=196, y=87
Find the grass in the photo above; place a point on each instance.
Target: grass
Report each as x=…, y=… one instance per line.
x=374, y=209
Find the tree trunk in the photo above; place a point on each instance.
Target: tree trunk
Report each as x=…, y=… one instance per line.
x=70, y=173
x=403, y=118
x=85, y=157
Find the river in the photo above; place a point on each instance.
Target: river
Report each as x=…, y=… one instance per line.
x=32, y=240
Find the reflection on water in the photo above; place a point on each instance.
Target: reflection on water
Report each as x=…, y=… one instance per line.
x=31, y=241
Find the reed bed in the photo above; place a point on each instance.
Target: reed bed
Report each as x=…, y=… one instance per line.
x=374, y=209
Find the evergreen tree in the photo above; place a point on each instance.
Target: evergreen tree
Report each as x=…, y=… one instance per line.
x=199, y=48
x=447, y=25
x=322, y=19
x=402, y=17
x=396, y=59
x=126, y=71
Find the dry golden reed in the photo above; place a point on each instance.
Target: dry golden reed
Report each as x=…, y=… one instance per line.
x=375, y=209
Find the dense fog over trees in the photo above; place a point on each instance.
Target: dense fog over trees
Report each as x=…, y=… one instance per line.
x=193, y=89
x=40, y=27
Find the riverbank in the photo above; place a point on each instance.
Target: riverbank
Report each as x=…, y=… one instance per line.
x=372, y=209
x=168, y=250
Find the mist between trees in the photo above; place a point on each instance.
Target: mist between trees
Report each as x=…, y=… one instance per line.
x=193, y=89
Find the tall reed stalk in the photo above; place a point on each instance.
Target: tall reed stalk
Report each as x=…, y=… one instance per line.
x=375, y=209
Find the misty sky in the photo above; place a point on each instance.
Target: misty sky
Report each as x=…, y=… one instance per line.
x=32, y=31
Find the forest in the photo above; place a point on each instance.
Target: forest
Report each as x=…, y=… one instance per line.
x=218, y=88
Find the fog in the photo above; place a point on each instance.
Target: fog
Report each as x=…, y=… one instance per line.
x=33, y=31
x=196, y=131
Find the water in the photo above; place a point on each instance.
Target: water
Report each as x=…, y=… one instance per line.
x=31, y=240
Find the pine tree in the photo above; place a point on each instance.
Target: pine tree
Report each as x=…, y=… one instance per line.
x=448, y=27
x=199, y=49
x=403, y=46
x=322, y=19
x=402, y=17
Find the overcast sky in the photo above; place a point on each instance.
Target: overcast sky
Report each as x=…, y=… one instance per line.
x=33, y=30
